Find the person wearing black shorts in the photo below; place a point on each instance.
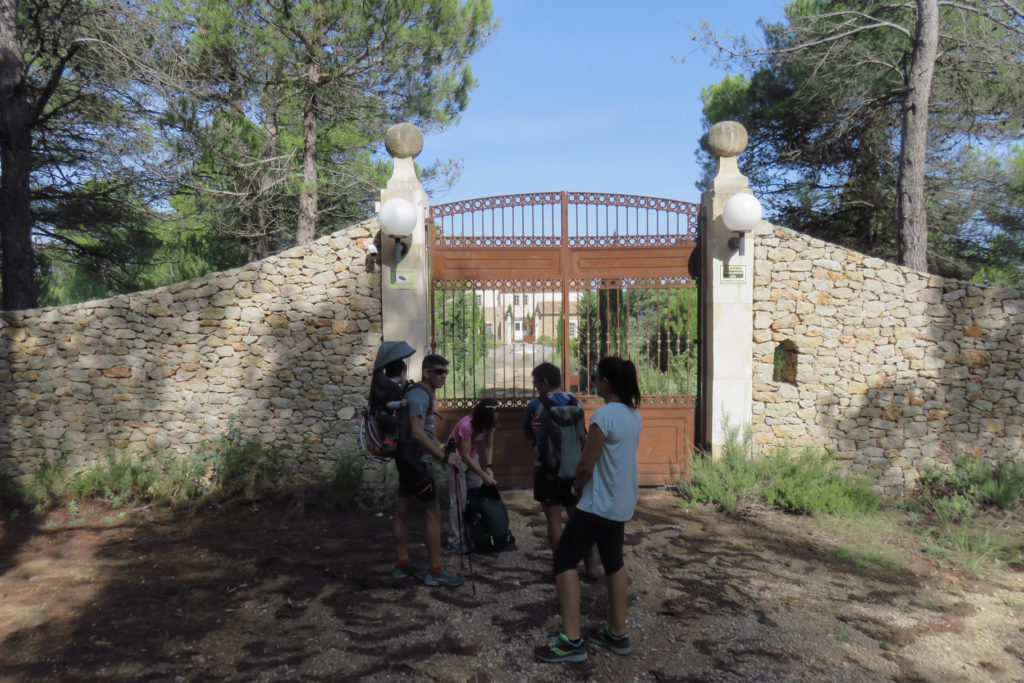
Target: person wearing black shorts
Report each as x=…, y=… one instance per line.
x=608, y=483
x=416, y=488
x=554, y=493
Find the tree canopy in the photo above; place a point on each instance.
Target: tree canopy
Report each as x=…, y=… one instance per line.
x=73, y=142
x=869, y=120
x=133, y=134
x=283, y=102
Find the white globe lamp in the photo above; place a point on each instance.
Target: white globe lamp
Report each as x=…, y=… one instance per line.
x=741, y=214
x=398, y=218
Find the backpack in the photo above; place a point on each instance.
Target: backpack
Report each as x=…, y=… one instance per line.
x=486, y=521
x=406, y=448
x=566, y=431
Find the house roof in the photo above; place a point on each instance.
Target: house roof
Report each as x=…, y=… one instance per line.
x=549, y=307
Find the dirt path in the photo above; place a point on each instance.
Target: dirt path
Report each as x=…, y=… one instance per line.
x=258, y=592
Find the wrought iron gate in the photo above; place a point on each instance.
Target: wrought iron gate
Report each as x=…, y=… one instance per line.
x=568, y=278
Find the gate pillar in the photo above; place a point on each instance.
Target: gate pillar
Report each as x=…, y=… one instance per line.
x=403, y=257
x=727, y=259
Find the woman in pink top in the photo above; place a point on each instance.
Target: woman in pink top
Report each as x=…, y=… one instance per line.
x=473, y=436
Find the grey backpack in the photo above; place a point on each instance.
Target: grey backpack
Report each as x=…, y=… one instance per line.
x=566, y=432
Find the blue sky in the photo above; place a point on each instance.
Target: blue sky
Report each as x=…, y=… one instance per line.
x=597, y=95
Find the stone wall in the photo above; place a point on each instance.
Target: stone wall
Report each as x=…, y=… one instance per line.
x=284, y=346
x=892, y=369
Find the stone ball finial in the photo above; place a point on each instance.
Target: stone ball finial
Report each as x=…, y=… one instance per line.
x=727, y=139
x=403, y=141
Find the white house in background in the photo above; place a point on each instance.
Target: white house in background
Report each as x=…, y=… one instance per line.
x=547, y=315
x=524, y=316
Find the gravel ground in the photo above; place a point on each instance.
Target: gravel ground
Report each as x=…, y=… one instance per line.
x=273, y=593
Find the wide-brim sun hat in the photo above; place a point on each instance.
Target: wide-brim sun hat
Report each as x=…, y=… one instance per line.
x=390, y=351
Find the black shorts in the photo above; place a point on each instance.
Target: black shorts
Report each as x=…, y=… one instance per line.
x=416, y=482
x=583, y=530
x=549, y=489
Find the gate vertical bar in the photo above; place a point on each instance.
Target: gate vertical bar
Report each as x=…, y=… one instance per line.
x=564, y=256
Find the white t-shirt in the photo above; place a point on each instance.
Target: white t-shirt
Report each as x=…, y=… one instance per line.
x=613, y=490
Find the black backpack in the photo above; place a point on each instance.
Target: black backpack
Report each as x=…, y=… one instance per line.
x=406, y=448
x=486, y=521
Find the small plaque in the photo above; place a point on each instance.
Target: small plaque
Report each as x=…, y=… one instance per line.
x=734, y=274
x=403, y=278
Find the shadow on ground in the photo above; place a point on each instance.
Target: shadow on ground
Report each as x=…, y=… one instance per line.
x=258, y=591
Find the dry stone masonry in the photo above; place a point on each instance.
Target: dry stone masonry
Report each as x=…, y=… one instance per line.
x=284, y=347
x=896, y=371
x=893, y=370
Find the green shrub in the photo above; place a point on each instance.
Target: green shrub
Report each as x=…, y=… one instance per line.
x=953, y=513
x=982, y=483
x=120, y=479
x=1005, y=486
x=48, y=482
x=952, y=509
x=351, y=487
x=806, y=484
x=183, y=480
x=241, y=465
x=233, y=465
x=727, y=480
x=347, y=481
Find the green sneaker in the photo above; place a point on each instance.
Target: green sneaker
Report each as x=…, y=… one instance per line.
x=444, y=578
x=411, y=571
x=603, y=637
x=561, y=649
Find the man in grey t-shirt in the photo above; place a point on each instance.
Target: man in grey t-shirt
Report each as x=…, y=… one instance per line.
x=416, y=487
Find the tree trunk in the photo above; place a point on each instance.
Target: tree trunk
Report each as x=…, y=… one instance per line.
x=17, y=267
x=308, y=193
x=263, y=233
x=911, y=217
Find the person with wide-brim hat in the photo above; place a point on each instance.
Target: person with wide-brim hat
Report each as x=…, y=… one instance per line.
x=387, y=387
x=391, y=351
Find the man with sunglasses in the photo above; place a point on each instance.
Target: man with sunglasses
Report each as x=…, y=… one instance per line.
x=417, y=490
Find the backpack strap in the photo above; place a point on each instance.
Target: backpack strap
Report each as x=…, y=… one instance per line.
x=407, y=447
x=420, y=385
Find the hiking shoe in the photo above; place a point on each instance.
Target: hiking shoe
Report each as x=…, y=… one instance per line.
x=561, y=649
x=603, y=637
x=445, y=577
x=411, y=570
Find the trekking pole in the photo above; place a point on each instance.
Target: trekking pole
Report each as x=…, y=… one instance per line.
x=462, y=532
x=458, y=513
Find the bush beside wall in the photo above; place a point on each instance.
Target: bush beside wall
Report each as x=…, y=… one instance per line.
x=284, y=346
x=896, y=371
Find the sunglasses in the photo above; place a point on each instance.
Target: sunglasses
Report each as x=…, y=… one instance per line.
x=440, y=371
